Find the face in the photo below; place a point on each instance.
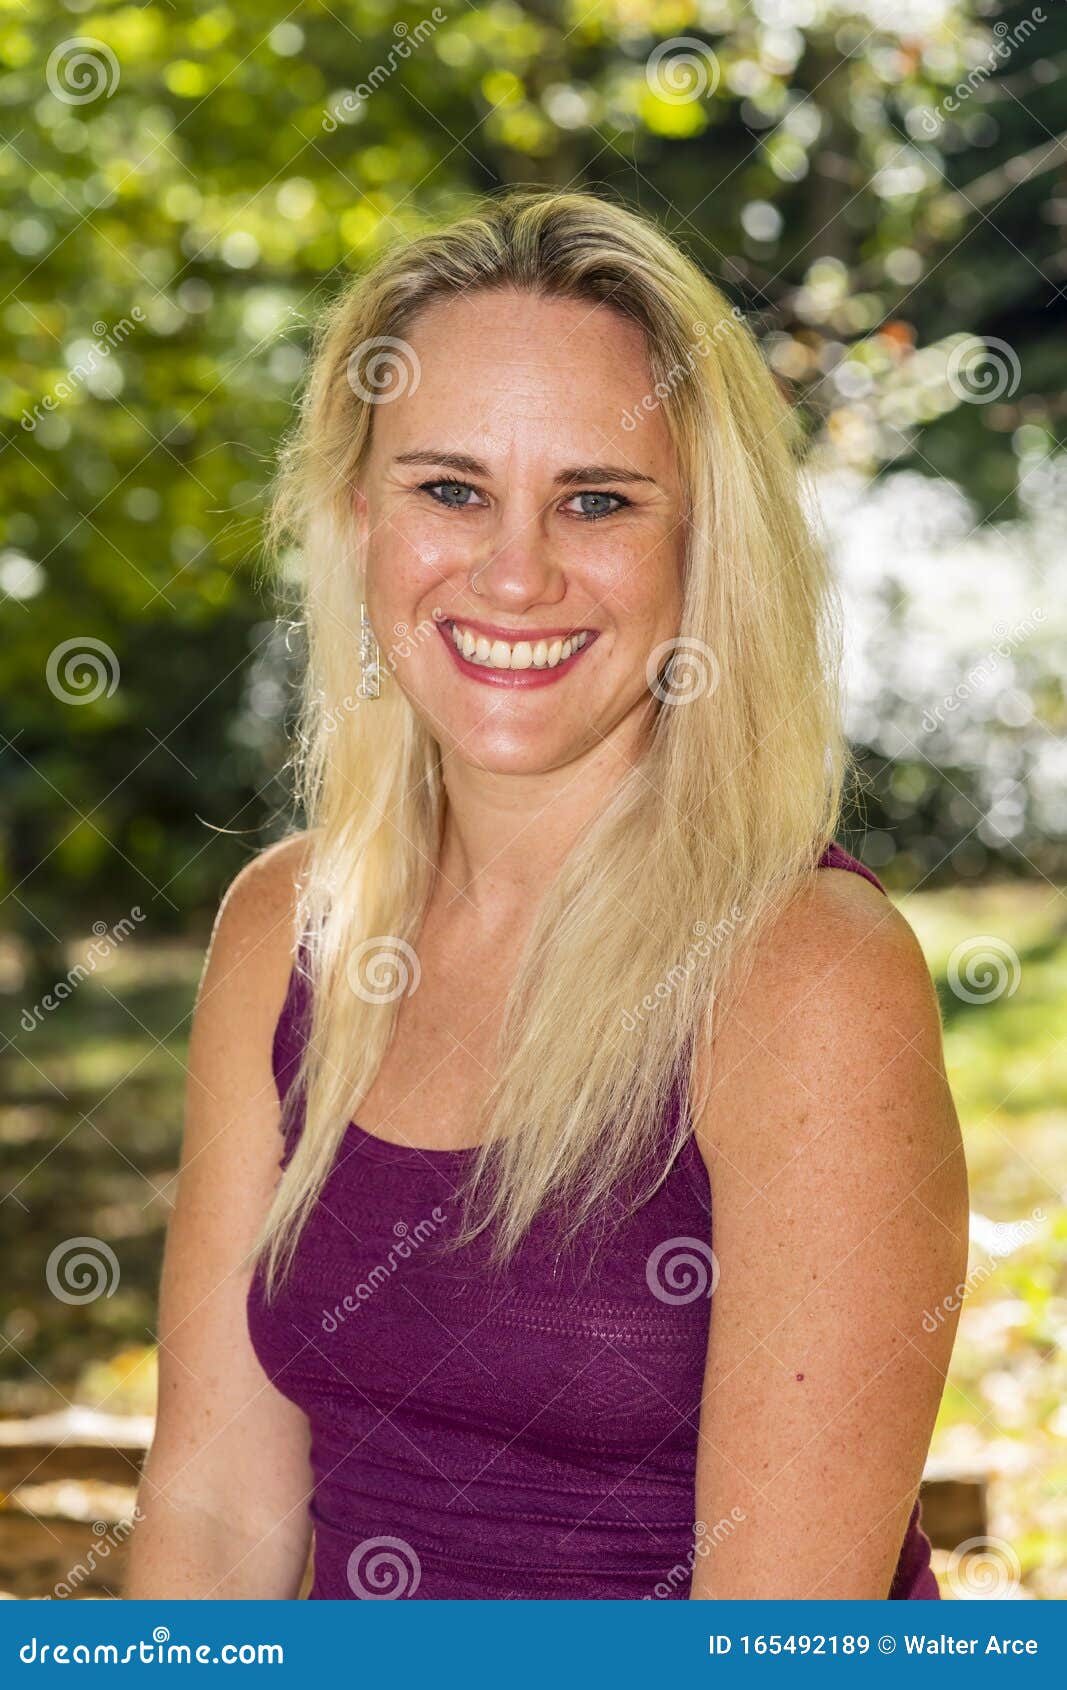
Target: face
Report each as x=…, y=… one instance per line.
x=530, y=545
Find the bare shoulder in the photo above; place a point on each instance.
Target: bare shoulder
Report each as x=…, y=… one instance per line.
x=247, y=966
x=843, y=954
x=838, y=1015
x=257, y=907
x=254, y=931
x=840, y=1226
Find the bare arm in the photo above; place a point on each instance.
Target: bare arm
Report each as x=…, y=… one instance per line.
x=223, y=1497
x=840, y=1221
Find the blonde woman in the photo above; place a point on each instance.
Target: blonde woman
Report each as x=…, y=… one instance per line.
x=565, y=952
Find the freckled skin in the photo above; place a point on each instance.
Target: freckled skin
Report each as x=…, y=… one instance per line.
x=840, y=1218
x=527, y=405
x=840, y=1208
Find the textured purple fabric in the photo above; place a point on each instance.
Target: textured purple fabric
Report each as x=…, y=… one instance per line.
x=526, y=1435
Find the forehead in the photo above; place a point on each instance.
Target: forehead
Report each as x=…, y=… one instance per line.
x=508, y=370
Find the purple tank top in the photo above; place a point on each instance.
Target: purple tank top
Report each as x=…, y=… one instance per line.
x=530, y=1435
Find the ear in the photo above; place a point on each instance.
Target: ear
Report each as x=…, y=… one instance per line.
x=358, y=500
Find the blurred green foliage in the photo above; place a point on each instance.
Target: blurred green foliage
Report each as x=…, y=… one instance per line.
x=1003, y=1416
x=185, y=183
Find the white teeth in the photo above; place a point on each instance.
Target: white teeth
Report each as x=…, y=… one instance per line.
x=498, y=654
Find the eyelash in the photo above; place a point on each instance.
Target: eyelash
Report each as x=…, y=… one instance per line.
x=622, y=502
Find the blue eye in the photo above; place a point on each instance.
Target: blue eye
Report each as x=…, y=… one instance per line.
x=602, y=504
x=460, y=495
x=444, y=492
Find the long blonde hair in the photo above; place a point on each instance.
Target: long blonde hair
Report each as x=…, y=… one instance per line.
x=658, y=904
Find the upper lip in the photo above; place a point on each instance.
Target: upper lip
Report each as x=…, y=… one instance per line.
x=513, y=635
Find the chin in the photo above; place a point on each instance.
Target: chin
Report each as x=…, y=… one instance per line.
x=512, y=755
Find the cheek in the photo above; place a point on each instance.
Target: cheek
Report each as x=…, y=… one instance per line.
x=406, y=554
x=642, y=579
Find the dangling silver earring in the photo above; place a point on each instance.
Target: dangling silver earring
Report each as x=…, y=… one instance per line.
x=370, y=658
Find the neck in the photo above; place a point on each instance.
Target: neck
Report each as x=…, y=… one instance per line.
x=505, y=836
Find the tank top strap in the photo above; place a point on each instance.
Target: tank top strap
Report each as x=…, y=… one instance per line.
x=835, y=856
x=291, y=1028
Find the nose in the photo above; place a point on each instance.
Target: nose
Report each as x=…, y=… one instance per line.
x=516, y=563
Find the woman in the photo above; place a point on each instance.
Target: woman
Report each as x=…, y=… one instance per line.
x=551, y=964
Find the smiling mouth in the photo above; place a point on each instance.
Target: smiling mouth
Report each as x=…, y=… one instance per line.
x=519, y=654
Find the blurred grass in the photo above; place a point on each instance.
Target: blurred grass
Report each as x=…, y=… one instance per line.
x=1004, y=1414
x=90, y=1126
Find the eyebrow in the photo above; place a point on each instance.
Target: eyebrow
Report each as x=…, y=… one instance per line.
x=565, y=478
